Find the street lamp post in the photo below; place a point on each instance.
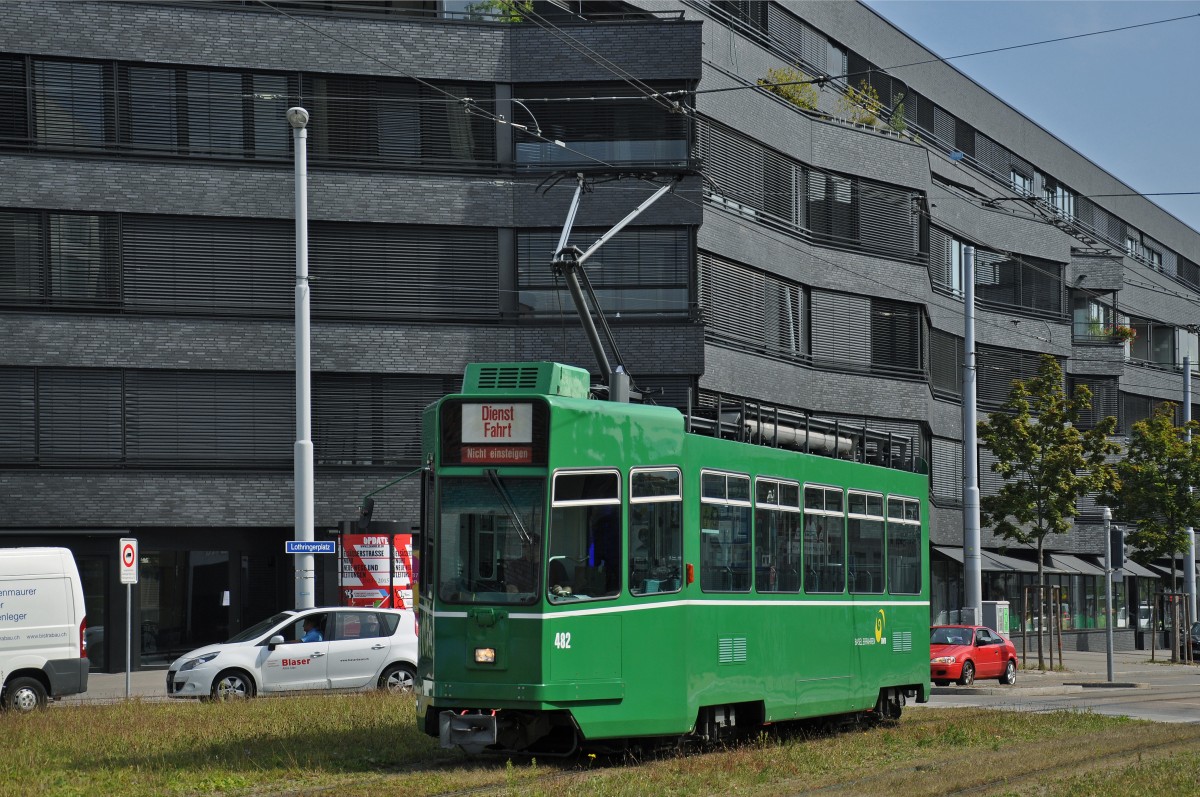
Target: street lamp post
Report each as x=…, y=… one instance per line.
x=1109, y=565
x=972, y=558
x=303, y=451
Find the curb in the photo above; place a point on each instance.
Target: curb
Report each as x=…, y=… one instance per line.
x=1107, y=685
x=1011, y=691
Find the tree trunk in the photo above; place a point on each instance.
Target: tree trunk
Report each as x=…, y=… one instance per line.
x=1041, y=604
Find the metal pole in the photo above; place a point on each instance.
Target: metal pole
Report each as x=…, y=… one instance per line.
x=1108, y=572
x=972, y=561
x=1189, y=555
x=128, y=635
x=303, y=452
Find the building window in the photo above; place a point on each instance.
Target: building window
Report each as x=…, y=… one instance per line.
x=58, y=259
x=998, y=368
x=861, y=333
x=1153, y=343
x=1153, y=257
x=945, y=364
x=833, y=210
x=641, y=271
x=396, y=121
x=1061, y=198
x=1136, y=408
x=178, y=419
x=626, y=131
x=1012, y=281
x=1091, y=319
x=1021, y=182
x=1105, y=399
x=71, y=105
x=758, y=312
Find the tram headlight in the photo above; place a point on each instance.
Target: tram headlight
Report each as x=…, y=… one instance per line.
x=942, y=660
x=485, y=655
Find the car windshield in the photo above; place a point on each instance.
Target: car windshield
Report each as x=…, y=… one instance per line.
x=950, y=636
x=259, y=628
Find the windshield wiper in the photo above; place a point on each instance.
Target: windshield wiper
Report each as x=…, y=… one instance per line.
x=509, y=507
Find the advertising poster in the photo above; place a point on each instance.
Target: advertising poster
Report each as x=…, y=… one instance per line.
x=376, y=570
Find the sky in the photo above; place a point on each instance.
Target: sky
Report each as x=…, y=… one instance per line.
x=1129, y=101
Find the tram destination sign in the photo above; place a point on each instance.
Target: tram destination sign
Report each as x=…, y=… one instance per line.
x=497, y=433
x=497, y=423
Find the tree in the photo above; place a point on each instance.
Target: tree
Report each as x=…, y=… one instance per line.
x=1048, y=463
x=1153, y=495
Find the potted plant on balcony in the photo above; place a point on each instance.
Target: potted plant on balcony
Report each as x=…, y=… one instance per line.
x=1122, y=333
x=789, y=83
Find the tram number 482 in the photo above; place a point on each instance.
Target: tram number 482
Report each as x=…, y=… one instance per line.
x=562, y=640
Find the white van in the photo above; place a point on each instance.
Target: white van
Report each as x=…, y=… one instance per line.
x=43, y=653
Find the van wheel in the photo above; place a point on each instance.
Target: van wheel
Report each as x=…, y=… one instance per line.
x=232, y=685
x=24, y=694
x=397, y=678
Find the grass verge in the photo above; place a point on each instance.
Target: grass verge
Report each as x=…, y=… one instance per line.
x=368, y=744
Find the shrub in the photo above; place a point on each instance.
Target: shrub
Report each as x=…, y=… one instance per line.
x=802, y=95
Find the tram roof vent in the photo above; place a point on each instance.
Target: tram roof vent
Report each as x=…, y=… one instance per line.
x=542, y=378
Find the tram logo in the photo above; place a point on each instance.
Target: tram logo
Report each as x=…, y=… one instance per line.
x=878, y=638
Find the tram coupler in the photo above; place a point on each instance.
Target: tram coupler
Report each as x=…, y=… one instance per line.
x=472, y=732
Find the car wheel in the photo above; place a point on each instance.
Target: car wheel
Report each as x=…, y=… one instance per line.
x=232, y=685
x=968, y=674
x=24, y=694
x=397, y=678
x=1010, y=673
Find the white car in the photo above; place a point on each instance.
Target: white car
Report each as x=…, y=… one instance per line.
x=351, y=648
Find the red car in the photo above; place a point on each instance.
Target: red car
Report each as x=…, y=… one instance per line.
x=963, y=653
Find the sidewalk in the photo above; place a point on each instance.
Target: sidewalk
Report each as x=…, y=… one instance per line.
x=106, y=687
x=1132, y=669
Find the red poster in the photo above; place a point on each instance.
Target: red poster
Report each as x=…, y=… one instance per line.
x=376, y=570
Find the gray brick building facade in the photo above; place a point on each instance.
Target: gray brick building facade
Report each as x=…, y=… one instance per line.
x=145, y=210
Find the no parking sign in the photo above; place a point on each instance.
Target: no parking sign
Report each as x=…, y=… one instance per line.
x=129, y=560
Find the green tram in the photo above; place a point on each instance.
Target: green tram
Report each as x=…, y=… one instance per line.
x=595, y=573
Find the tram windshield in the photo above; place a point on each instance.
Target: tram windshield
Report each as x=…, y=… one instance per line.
x=490, y=539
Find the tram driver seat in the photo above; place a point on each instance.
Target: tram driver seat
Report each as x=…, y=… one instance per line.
x=559, y=581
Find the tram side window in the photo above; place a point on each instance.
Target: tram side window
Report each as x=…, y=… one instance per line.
x=864, y=535
x=584, y=557
x=777, y=538
x=488, y=543
x=904, y=546
x=824, y=540
x=655, y=531
x=725, y=513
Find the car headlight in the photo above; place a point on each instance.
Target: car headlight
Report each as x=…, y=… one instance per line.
x=942, y=660
x=192, y=664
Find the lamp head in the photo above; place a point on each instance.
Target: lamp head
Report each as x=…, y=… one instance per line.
x=297, y=117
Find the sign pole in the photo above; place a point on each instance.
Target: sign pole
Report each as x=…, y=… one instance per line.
x=128, y=635
x=128, y=567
